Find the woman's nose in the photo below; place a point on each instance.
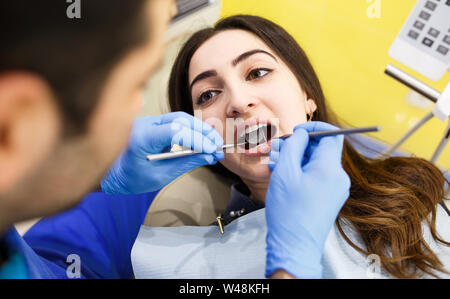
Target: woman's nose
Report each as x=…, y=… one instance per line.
x=241, y=105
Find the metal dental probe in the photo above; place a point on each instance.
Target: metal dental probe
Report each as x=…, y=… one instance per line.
x=183, y=153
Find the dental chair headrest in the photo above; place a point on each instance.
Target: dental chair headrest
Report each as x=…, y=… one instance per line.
x=196, y=198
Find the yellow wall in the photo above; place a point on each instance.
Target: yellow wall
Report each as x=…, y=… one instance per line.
x=350, y=52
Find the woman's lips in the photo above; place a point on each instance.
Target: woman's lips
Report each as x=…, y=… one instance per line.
x=260, y=150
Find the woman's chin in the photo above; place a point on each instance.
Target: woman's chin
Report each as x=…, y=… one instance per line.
x=250, y=169
x=259, y=173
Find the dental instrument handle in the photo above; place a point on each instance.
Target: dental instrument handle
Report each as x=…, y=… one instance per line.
x=338, y=132
x=170, y=155
x=183, y=153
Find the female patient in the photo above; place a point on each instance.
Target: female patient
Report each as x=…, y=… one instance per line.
x=250, y=68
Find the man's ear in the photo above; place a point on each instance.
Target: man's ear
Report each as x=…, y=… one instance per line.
x=29, y=125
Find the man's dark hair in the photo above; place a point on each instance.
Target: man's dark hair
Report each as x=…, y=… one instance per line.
x=74, y=55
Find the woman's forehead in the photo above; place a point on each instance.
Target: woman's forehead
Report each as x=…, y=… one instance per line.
x=222, y=49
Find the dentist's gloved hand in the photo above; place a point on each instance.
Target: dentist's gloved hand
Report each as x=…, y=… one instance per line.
x=132, y=173
x=307, y=189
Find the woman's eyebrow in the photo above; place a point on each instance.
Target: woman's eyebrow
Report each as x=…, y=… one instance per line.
x=204, y=75
x=236, y=61
x=247, y=54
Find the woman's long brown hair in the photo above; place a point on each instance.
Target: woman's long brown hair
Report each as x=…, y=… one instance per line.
x=389, y=198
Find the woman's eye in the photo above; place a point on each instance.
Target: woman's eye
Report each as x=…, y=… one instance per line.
x=207, y=96
x=258, y=73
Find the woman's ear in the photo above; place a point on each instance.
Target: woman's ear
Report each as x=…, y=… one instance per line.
x=311, y=107
x=29, y=125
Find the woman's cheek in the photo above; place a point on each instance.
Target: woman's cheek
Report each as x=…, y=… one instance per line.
x=290, y=118
x=215, y=120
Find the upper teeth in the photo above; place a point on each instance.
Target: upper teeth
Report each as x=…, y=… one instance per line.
x=252, y=128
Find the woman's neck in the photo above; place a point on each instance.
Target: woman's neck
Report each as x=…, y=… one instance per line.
x=257, y=189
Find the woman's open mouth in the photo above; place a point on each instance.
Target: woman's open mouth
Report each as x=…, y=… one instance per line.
x=255, y=139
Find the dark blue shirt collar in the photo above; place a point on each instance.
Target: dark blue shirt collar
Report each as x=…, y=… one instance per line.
x=240, y=199
x=36, y=267
x=13, y=261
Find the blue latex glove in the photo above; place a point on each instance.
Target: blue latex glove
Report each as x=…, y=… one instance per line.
x=132, y=173
x=307, y=189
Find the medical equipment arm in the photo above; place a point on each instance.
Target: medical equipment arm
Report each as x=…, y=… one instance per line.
x=132, y=173
x=441, y=110
x=307, y=189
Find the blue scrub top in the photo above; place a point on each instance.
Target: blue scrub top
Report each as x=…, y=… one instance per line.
x=101, y=231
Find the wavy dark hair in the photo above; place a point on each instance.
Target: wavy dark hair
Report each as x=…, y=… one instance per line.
x=389, y=198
